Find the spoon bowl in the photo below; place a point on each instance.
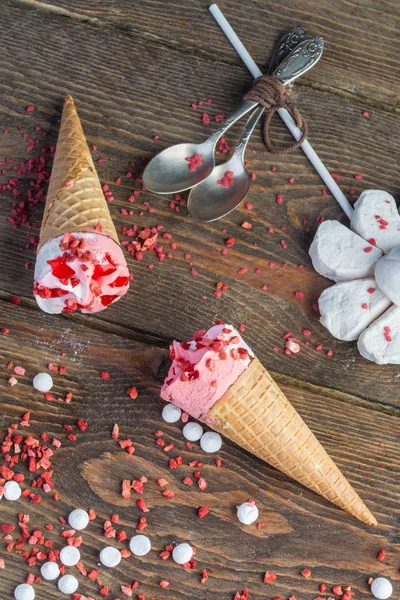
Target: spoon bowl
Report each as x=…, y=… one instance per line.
x=211, y=199
x=169, y=172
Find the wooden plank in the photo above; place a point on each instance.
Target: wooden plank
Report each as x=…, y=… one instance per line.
x=121, y=112
x=361, y=37
x=301, y=530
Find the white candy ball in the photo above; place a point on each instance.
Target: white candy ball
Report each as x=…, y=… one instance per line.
x=43, y=382
x=110, y=556
x=12, y=490
x=78, y=519
x=140, y=545
x=68, y=584
x=247, y=513
x=70, y=556
x=171, y=413
x=211, y=442
x=182, y=553
x=192, y=431
x=24, y=591
x=381, y=588
x=50, y=570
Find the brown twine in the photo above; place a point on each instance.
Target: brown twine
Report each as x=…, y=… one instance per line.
x=273, y=94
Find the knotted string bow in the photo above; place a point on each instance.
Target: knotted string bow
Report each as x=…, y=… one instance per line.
x=272, y=94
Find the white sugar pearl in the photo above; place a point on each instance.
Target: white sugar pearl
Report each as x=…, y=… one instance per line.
x=43, y=382
x=381, y=588
x=171, y=413
x=12, y=490
x=50, y=570
x=78, y=519
x=70, y=556
x=68, y=584
x=192, y=431
x=182, y=553
x=140, y=545
x=24, y=591
x=211, y=442
x=247, y=513
x=110, y=556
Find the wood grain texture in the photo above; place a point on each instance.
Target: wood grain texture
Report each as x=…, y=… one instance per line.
x=122, y=109
x=361, y=37
x=89, y=472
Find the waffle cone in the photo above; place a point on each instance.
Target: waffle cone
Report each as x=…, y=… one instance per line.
x=75, y=201
x=255, y=414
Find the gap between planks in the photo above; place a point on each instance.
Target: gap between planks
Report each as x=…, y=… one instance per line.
x=194, y=51
x=151, y=339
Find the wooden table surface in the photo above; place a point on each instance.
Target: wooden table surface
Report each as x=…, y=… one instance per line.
x=134, y=69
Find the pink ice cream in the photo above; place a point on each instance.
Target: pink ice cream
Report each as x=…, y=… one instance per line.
x=204, y=367
x=81, y=271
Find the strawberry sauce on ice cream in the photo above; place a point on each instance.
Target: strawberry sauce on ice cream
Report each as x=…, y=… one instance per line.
x=204, y=367
x=81, y=271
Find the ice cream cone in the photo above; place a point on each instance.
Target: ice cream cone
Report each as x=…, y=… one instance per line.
x=255, y=414
x=75, y=201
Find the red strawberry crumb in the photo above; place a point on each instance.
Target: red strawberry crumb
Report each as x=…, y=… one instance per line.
x=337, y=590
x=291, y=180
x=227, y=180
x=306, y=332
x=322, y=587
x=30, y=109
x=248, y=206
x=230, y=242
x=142, y=505
x=16, y=300
x=202, y=512
x=202, y=483
x=358, y=176
x=260, y=525
x=104, y=591
x=19, y=371
x=115, y=432
x=168, y=494
x=204, y=576
x=5, y=331
x=268, y=577
x=163, y=583
x=187, y=481
x=105, y=375
x=132, y=393
x=299, y=294
x=306, y=573
x=246, y=225
x=387, y=334
x=126, y=489
x=242, y=271
x=283, y=244
x=162, y=482
x=371, y=290
x=142, y=524
x=381, y=555
x=368, y=249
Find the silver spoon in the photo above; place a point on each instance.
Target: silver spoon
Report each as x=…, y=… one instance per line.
x=227, y=185
x=169, y=173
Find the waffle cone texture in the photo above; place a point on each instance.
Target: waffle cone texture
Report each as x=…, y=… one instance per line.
x=255, y=414
x=75, y=201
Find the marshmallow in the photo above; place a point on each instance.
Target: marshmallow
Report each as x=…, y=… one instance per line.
x=376, y=217
x=211, y=442
x=347, y=308
x=192, y=431
x=110, y=556
x=247, y=513
x=24, y=591
x=50, y=570
x=78, y=519
x=68, y=584
x=380, y=342
x=341, y=255
x=70, y=556
x=140, y=545
x=182, y=553
x=387, y=275
x=381, y=588
x=171, y=413
x=12, y=490
x=43, y=382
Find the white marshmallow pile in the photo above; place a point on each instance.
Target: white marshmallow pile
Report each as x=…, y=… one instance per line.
x=364, y=304
x=247, y=513
x=193, y=432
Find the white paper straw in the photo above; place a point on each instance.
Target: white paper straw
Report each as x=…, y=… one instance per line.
x=283, y=113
